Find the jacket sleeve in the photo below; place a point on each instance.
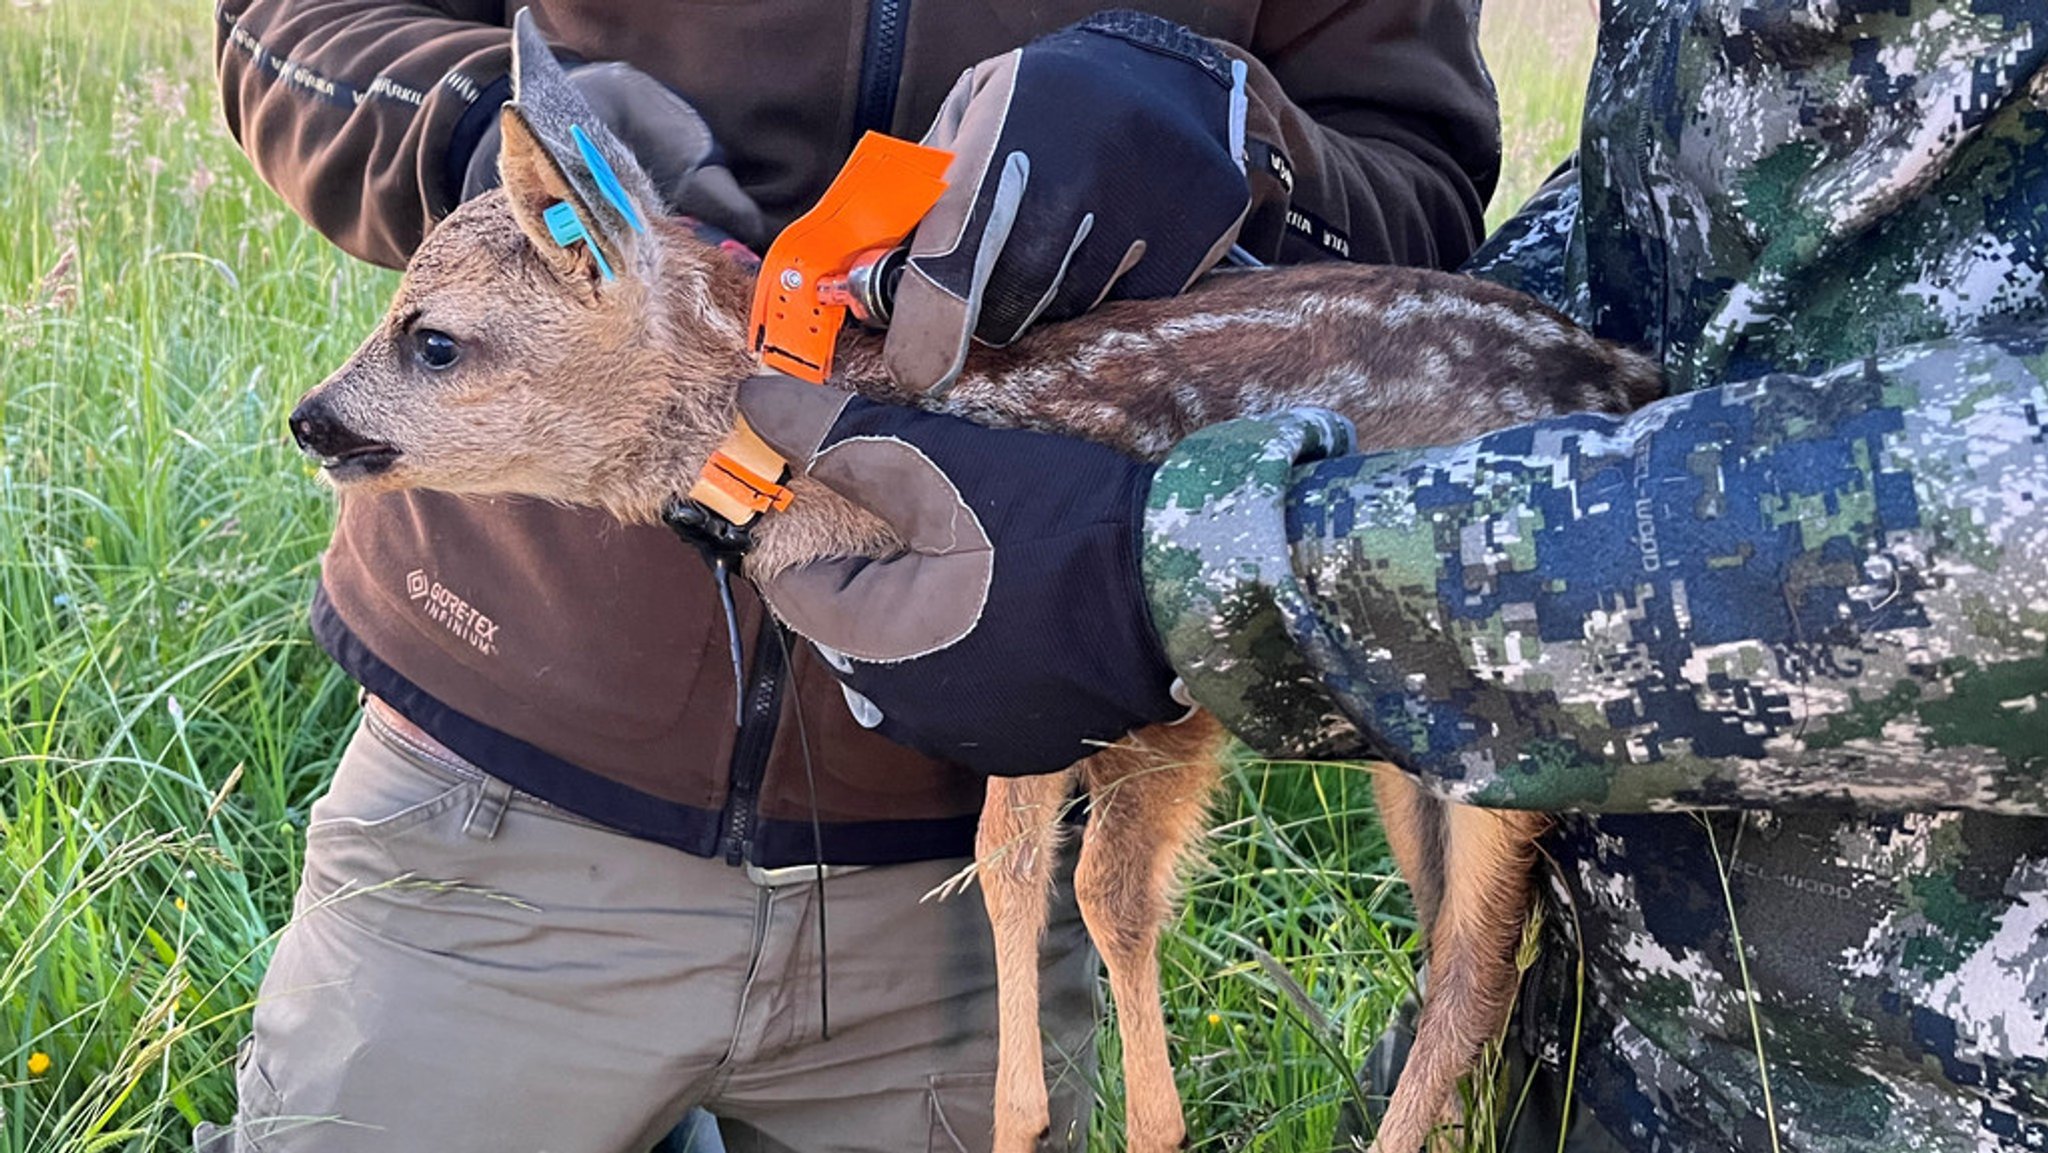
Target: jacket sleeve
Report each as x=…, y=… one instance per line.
x=1380, y=118
x=352, y=109
x=1828, y=589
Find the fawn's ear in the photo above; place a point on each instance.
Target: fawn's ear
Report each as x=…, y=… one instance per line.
x=576, y=191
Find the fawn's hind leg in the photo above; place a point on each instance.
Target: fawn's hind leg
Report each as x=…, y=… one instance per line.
x=1482, y=864
x=1149, y=798
x=1014, y=852
x=1415, y=826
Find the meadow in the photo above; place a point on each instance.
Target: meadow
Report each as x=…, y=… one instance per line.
x=165, y=719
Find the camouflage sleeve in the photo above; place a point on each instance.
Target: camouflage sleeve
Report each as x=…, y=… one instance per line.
x=1800, y=589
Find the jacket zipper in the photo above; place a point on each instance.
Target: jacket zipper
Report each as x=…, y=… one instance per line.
x=881, y=66
x=761, y=709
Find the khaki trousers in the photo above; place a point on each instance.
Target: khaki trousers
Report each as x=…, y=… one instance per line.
x=472, y=969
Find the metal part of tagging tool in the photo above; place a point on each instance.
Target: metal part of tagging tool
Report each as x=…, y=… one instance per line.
x=868, y=290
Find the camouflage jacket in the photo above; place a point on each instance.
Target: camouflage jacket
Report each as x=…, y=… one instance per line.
x=1777, y=646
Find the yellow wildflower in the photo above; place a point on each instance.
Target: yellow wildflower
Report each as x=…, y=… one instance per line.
x=38, y=1063
x=1215, y=1019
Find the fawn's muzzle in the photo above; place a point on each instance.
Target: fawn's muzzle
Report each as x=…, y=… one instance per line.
x=342, y=452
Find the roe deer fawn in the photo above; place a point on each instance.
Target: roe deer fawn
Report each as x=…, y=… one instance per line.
x=498, y=332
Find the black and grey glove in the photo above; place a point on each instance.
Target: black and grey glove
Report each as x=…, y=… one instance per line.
x=1012, y=636
x=1104, y=160
x=669, y=139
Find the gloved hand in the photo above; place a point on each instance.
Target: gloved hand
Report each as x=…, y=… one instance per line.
x=669, y=139
x=1107, y=159
x=1013, y=634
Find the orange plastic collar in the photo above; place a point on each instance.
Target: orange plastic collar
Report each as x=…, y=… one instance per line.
x=885, y=188
x=743, y=479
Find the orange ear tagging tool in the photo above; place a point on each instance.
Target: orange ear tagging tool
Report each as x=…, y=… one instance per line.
x=800, y=302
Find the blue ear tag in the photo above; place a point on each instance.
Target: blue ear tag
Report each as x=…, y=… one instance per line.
x=607, y=180
x=567, y=228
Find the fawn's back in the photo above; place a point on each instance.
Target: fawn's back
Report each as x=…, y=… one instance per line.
x=1412, y=357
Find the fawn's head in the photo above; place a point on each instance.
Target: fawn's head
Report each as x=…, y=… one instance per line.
x=602, y=372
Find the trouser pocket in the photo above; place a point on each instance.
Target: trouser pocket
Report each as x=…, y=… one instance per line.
x=256, y=1113
x=380, y=789
x=963, y=1112
x=385, y=831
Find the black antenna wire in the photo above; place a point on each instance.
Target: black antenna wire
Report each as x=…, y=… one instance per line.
x=721, y=543
x=803, y=740
x=721, y=575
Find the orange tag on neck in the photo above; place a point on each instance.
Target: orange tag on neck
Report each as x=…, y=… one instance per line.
x=743, y=479
x=876, y=200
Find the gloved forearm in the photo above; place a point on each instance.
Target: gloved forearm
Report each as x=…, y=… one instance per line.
x=1009, y=635
x=349, y=108
x=1827, y=589
x=1388, y=123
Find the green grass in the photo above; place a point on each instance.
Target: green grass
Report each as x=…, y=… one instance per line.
x=165, y=721
x=1539, y=52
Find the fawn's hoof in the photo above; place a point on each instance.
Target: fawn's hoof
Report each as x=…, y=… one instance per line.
x=1041, y=1141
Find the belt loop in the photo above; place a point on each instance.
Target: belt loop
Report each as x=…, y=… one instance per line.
x=489, y=810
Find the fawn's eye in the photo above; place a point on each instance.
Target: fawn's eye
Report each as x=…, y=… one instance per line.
x=435, y=350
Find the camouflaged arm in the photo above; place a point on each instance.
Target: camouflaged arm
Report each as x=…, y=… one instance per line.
x=1222, y=586
x=1797, y=590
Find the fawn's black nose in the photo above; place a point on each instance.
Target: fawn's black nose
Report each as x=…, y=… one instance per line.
x=320, y=433
x=322, y=436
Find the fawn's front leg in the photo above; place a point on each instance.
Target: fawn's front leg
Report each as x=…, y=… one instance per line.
x=1015, y=848
x=1149, y=801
